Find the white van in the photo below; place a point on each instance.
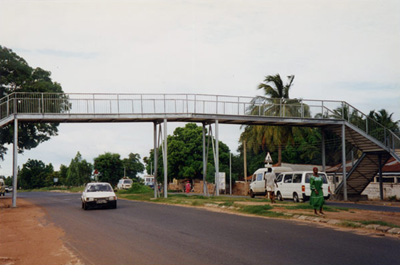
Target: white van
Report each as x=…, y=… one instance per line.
x=149, y=181
x=258, y=182
x=296, y=185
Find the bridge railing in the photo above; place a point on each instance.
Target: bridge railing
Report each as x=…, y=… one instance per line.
x=103, y=103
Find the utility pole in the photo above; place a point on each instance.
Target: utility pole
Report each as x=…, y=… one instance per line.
x=245, y=166
x=230, y=173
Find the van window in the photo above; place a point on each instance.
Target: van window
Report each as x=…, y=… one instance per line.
x=288, y=178
x=308, y=176
x=259, y=176
x=297, y=178
x=279, y=178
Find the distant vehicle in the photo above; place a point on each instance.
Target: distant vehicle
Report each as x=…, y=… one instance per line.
x=9, y=188
x=257, y=185
x=124, y=184
x=98, y=194
x=149, y=181
x=2, y=187
x=296, y=185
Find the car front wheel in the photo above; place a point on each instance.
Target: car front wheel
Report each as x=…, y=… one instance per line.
x=251, y=194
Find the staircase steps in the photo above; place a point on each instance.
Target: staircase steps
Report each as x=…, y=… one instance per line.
x=362, y=173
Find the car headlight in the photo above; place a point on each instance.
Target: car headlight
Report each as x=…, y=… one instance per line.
x=112, y=198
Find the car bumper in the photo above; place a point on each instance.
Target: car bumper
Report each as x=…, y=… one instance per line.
x=100, y=202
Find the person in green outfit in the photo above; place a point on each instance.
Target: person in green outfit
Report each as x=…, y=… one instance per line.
x=317, y=196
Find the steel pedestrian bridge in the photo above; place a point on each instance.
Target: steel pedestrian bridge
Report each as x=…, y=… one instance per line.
x=376, y=142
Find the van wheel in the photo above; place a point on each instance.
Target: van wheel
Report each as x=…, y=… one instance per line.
x=279, y=195
x=296, y=197
x=251, y=194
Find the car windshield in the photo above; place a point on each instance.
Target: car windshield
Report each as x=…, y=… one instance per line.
x=99, y=187
x=127, y=181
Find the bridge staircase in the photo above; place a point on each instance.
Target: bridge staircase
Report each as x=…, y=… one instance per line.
x=374, y=155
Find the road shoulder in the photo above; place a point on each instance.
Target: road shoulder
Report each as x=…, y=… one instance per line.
x=28, y=238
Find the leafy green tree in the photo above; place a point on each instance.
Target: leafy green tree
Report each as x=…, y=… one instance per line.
x=63, y=174
x=52, y=176
x=17, y=76
x=110, y=167
x=35, y=174
x=133, y=165
x=8, y=181
x=185, y=155
x=79, y=171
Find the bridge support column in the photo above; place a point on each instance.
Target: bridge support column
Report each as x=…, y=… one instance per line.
x=204, y=161
x=165, y=156
x=380, y=177
x=216, y=158
x=155, y=156
x=323, y=150
x=344, y=161
x=15, y=163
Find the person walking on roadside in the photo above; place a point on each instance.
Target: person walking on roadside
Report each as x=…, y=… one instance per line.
x=317, y=196
x=187, y=187
x=270, y=182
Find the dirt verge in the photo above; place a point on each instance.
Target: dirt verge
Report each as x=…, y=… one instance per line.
x=27, y=238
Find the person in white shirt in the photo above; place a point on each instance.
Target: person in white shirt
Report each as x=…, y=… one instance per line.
x=270, y=182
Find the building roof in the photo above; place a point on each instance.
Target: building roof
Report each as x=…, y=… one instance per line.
x=392, y=165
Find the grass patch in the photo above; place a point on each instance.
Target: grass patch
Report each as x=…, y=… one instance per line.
x=262, y=210
x=227, y=203
x=379, y=223
x=309, y=207
x=275, y=214
x=256, y=209
x=350, y=224
x=135, y=197
x=139, y=188
x=299, y=207
x=197, y=203
x=177, y=195
x=57, y=188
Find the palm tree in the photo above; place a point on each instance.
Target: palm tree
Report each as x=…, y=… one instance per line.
x=382, y=117
x=275, y=103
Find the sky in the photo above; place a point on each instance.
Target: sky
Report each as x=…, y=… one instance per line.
x=337, y=50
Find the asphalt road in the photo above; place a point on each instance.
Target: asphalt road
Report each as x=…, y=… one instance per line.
x=146, y=233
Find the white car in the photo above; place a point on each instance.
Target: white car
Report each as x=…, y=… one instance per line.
x=124, y=184
x=98, y=194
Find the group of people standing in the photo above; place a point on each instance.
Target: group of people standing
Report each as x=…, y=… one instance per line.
x=317, y=200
